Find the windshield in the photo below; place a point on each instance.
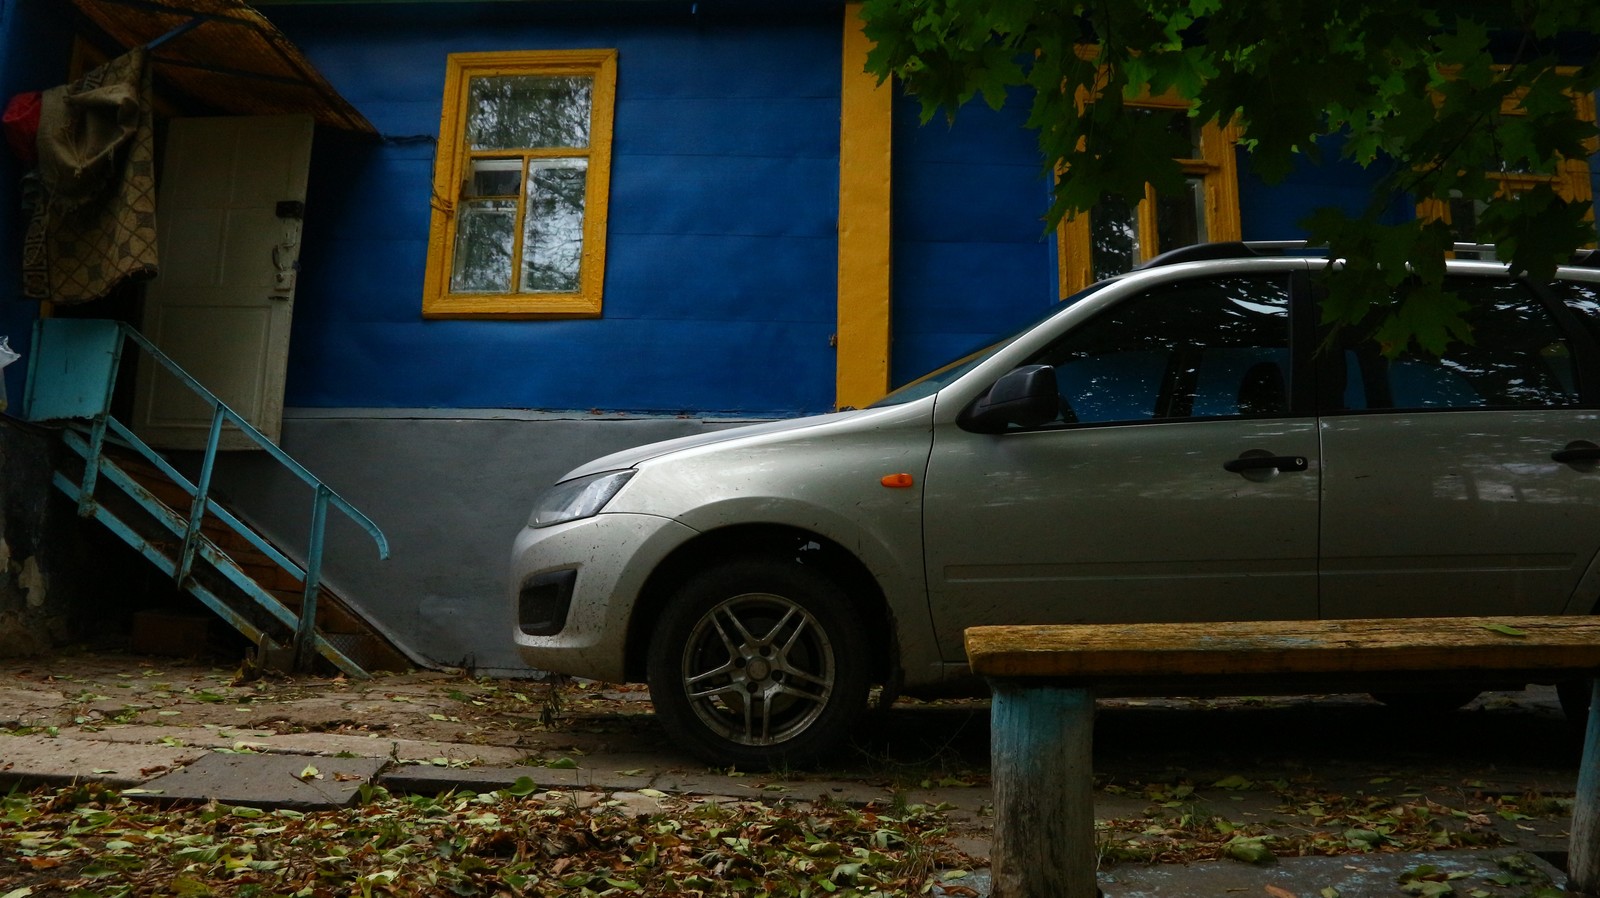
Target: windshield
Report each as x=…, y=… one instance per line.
x=937, y=379
x=943, y=376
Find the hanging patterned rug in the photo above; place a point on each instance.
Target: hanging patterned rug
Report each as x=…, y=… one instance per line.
x=96, y=222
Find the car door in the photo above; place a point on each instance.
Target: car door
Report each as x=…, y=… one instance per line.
x=1444, y=492
x=1179, y=483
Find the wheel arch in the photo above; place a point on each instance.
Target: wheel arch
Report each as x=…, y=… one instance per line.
x=770, y=541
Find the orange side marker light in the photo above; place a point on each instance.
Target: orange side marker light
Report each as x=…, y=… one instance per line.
x=897, y=481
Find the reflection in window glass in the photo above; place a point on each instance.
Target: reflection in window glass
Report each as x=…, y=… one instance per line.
x=1113, y=237
x=513, y=112
x=552, y=241
x=485, y=234
x=1464, y=219
x=1583, y=299
x=1202, y=348
x=1181, y=219
x=1519, y=358
x=539, y=191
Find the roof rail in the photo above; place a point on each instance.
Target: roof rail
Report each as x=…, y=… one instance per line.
x=1482, y=251
x=1583, y=258
x=1254, y=249
x=1230, y=249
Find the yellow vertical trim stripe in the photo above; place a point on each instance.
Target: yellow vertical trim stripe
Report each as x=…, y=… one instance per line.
x=865, y=154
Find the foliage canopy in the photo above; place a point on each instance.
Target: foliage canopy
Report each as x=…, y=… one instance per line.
x=1433, y=96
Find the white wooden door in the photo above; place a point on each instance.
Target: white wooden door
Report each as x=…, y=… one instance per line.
x=228, y=216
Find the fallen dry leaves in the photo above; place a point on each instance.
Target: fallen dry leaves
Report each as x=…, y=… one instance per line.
x=95, y=841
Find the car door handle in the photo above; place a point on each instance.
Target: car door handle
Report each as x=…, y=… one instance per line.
x=1578, y=452
x=1283, y=463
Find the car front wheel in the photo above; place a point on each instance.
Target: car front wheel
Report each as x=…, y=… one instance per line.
x=758, y=663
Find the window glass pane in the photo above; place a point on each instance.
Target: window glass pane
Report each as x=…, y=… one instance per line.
x=495, y=177
x=1464, y=219
x=1181, y=219
x=1519, y=359
x=1183, y=127
x=511, y=112
x=1113, y=237
x=1201, y=348
x=552, y=237
x=1522, y=166
x=485, y=233
x=1583, y=299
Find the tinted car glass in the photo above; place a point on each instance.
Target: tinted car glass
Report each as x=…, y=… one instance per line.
x=1518, y=358
x=941, y=377
x=1207, y=347
x=1584, y=299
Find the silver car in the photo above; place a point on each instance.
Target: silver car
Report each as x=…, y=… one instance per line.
x=1182, y=443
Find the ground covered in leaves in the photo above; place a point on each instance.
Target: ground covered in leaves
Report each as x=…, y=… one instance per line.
x=1249, y=780
x=94, y=841
x=1181, y=826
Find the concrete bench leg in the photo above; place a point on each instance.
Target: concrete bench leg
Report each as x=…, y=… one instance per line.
x=1583, y=857
x=1043, y=792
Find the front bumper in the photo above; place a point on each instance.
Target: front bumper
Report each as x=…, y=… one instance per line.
x=574, y=586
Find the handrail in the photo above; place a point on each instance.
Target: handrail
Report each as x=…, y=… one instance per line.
x=324, y=498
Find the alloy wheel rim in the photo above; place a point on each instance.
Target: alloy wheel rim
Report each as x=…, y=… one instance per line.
x=758, y=669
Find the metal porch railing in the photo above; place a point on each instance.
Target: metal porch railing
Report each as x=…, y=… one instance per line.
x=72, y=374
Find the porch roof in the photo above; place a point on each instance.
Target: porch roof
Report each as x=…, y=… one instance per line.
x=225, y=55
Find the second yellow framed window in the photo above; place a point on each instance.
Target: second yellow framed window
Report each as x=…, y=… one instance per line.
x=1121, y=232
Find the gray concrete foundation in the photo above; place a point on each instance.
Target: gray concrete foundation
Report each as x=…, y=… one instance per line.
x=450, y=490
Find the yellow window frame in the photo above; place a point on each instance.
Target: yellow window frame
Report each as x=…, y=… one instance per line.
x=1218, y=170
x=455, y=157
x=1570, y=182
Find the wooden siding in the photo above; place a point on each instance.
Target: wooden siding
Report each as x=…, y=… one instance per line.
x=721, y=268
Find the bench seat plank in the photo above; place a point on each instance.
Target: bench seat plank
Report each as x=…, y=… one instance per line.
x=1045, y=679
x=1127, y=652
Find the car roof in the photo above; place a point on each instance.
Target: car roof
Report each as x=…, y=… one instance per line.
x=1258, y=249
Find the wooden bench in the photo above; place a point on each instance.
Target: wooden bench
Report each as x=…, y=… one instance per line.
x=1045, y=678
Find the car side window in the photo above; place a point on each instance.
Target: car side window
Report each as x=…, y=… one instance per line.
x=1583, y=298
x=1518, y=358
x=1203, y=348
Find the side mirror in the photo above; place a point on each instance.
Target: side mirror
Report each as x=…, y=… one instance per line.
x=1026, y=397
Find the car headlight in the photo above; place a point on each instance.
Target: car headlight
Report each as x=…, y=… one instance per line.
x=580, y=497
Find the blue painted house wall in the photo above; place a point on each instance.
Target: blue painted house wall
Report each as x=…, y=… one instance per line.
x=720, y=279
x=723, y=218
x=972, y=259
x=722, y=232
x=1274, y=211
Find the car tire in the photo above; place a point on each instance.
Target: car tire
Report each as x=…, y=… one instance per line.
x=1442, y=701
x=759, y=663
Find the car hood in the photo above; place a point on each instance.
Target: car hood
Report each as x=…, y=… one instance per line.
x=628, y=458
